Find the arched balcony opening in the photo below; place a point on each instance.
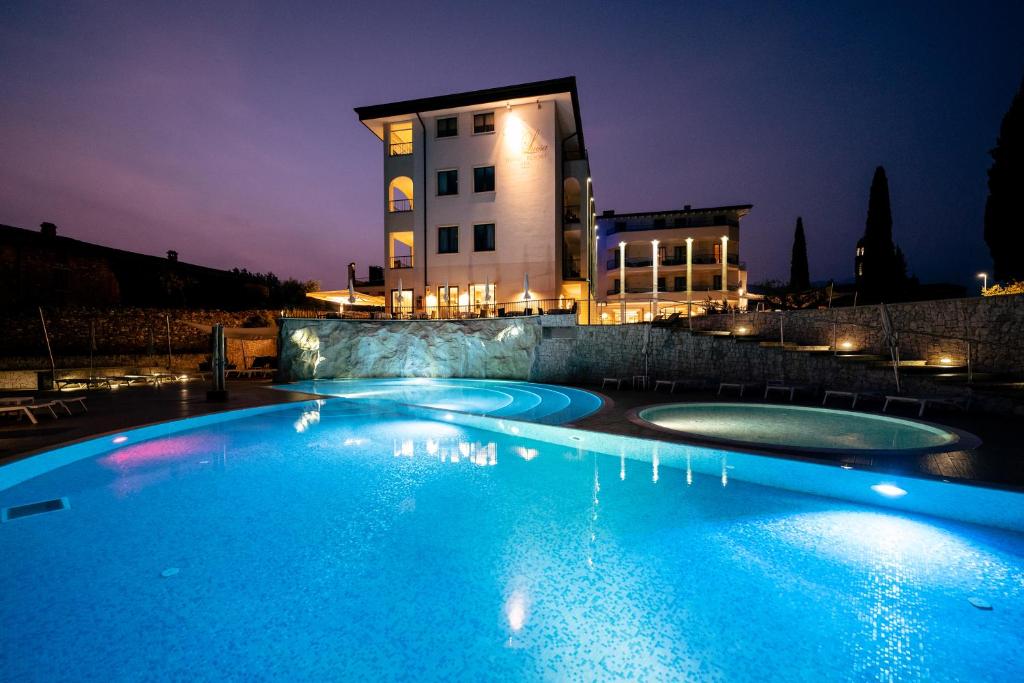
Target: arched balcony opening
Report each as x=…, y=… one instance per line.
x=400, y=195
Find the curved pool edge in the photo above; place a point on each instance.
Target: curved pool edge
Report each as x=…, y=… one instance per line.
x=37, y=462
x=604, y=401
x=983, y=503
x=964, y=440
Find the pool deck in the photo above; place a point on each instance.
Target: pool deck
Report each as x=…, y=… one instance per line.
x=998, y=461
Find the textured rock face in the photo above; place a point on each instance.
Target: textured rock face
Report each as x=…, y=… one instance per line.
x=322, y=349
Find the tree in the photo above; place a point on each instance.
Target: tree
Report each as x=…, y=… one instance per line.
x=881, y=279
x=799, y=272
x=1004, y=226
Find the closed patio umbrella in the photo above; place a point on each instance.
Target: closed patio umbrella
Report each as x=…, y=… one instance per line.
x=526, y=286
x=892, y=340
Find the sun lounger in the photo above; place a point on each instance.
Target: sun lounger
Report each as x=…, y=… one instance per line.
x=790, y=389
x=27, y=409
x=617, y=381
x=924, y=401
x=853, y=395
x=64, y=403
x=741, y=386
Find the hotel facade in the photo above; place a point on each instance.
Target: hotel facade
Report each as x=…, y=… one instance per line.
x=663, y=262
x=481, y=192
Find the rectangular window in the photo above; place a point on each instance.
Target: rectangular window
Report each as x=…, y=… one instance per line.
x=716, y=282
x=678, y=254
x=483, y=237
x=659, y=222
x=483, y=123
x=680, y=284
x=448, y=127
x=448, y=239
x=661, y=284
x=447, y=182
x=483, y=179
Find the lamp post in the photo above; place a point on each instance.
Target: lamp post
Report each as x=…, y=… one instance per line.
x=622, y=282
x=725, y=263
x=654, y=278
x=984, y=282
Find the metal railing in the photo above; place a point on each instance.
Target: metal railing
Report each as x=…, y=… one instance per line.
x=399, y=205
x=401, y=262
x=502, y=309
x=400, y=149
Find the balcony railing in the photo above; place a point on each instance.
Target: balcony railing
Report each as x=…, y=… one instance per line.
x=701, y=290
x=400, y=149
x=400, y=205
x=401, y=262
x=571, y=214
x=698, y=260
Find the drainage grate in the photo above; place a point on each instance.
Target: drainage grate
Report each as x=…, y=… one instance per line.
x=29, y=509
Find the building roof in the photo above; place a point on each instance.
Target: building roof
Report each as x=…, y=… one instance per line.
x=741, y=209
x=474, y=97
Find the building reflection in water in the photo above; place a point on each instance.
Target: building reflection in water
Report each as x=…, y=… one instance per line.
x=455, y=450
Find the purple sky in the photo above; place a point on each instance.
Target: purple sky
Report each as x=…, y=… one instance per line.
x=225, y=130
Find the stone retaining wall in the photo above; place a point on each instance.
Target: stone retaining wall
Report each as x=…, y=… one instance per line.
x=123, y=330
x=994, y=324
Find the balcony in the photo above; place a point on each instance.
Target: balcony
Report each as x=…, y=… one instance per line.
x=400, y=262
x=400, y=149
x=400, y=206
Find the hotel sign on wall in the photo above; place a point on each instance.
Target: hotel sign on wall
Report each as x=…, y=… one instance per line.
x=523, y=143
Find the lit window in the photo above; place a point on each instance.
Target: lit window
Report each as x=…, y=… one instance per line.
x=448, y=127
x=447, y=182
x=400, y=139
x=483, y=237
x=448, y=239
x=483, y=179
x=483, y=123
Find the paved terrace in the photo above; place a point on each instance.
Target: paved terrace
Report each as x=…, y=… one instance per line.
x=998, y=461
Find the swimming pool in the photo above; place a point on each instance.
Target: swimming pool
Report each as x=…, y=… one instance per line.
x=803, y=429
x=336, y=539
x=530, y=401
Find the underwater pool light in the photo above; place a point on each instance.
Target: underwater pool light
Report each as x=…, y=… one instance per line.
x=889, y=490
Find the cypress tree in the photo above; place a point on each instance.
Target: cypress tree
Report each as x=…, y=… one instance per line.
x=1004, y=225
x=879, y=251
x=799, y=273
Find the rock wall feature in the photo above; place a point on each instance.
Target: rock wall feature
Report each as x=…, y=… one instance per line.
x=500, y=348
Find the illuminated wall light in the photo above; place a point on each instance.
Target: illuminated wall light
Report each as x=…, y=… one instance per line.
x=846, y=344
x=946, y=360
x=741, y=330
x=889, y=490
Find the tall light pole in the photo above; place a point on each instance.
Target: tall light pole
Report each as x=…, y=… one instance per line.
x=984, y=282
x=622, y=283
x=654, y=278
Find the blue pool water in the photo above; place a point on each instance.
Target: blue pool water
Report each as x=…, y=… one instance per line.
x=543, y=403
x=801, y=428
x=337, y=540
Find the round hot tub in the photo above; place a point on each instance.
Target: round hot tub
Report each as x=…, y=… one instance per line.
x=802, y=429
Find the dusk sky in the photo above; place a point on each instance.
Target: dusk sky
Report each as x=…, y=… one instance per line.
x=226, y=131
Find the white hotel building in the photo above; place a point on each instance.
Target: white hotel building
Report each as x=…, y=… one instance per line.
x=480, y=189
x=670, y=261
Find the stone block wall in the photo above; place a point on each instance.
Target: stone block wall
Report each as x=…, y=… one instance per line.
x=929, y=330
